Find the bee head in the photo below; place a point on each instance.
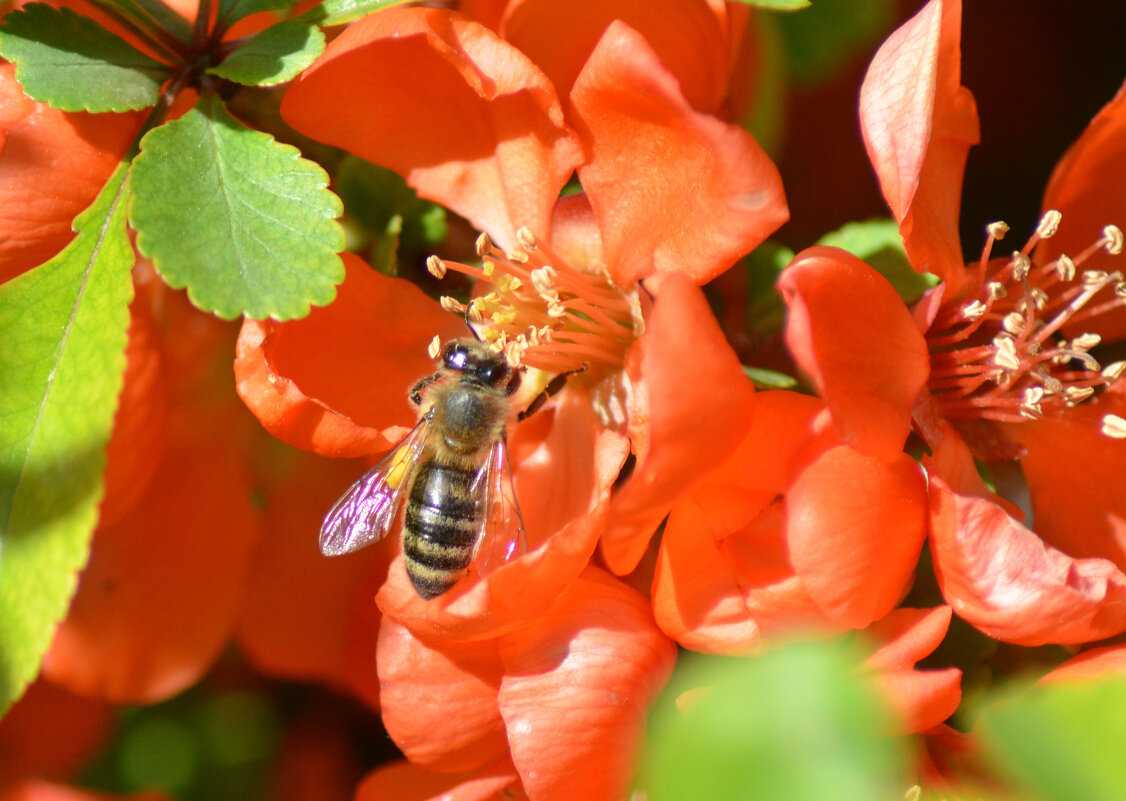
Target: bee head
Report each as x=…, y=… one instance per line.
x=476, y=360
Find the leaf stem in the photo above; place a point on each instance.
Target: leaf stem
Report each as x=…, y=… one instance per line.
x=202, y=20
x=151, y=32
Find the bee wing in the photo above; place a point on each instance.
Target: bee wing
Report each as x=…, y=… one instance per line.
x=502, y=537
x=369, y=508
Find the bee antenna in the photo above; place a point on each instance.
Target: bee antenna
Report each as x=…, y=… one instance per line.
x=468, y=322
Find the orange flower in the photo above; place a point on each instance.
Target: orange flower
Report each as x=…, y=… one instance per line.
x=994, y=362
x=555, y=707
x=558, y=292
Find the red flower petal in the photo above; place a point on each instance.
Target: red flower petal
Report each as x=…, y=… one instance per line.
x=869, y=374
x=44, y=791
x=563, y=478
x=51, y=733
x=159, y=597
x=577, y=686
x=698, y=405
x=1073, y=472
x=921, y=699
x=402, y=781
x=440, y=699
x=686, y=35
x=918, y=123
x=52, y=165
x=1094, y=664
x=327, y=631
x=905, y=636
x=717, y=194
x=336, y=381
x=856, y=527
x=1086, y=188
x=466, y=118
x=1004, y=580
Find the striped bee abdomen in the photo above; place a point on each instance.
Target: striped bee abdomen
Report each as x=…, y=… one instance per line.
x=443, y=518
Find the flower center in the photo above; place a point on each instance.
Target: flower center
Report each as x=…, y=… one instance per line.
x=1001, y=354
x=544, y=313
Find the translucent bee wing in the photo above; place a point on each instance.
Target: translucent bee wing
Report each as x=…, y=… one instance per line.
x=502, y=537
x=369, y=508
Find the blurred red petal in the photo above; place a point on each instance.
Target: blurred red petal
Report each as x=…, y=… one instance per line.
x=52, y=165
x=1004, y=580
x=1085, y=188
x=576, y=690
x=918, y=123
x=1074, y=472
x=921, y=699
x=686, y=35
x=1097, y=663
x=870, y=373
x=631, y=115
x=696, y=405
x=327, y=631
x=159, y=597
x=51, y=733
x=563, y=483
x=34, y=790
x=467, y=119
x=402, y=781
x=856, y=526
x=440, y=699
x=336, y=382
x=905, y=636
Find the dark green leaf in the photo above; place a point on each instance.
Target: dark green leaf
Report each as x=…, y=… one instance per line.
x=273, y=56
x=71, y=63
x=822, y=40
x=765, y=309
x=241, y=220
x=878, y=243
x=777, y=5
x=166, y=18
x=63, y=326
x=233, y=10
x=797, y=724
x=1063, y=741
x=375, y=196
x=340, y=12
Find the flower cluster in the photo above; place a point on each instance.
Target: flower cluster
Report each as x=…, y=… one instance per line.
x=939, y=456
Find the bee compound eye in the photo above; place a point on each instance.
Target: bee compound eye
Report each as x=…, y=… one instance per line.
x=455, y=356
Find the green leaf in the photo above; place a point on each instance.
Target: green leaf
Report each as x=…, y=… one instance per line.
x=878, y=243
x=63, y=326
x=796, y=724
x=340, y=12
x=273, y=56
x=769, y=379
x=765, y=308
x=823, y=40
x=777, y=5
x=241, y=220
x=233, y=10
x=1063, y=741
x=375, y=196
x=72, y=63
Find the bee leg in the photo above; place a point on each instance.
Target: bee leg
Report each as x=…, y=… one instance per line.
x=552, y=388
x=416, y=391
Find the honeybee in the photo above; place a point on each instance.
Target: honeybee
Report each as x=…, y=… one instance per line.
x=450, y=477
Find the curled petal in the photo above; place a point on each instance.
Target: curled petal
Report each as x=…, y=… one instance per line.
x=905, y=636
x=1003, y=579
x=160, y=595
x=577, y=685
x=440, y=699
x=687, y=36
x=563, y=502
x=465, y=117
x=717, y=194
x=921, y=699
x=1084, y=188
x=402, y=781
x=856, y=527
x=918, y=123
x=327, y=631
x=698, y=405
x=52, y=165
x=869, y=375
x=336, y=382
x=1094, y=664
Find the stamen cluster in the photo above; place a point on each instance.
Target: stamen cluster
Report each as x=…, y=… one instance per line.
x=1001, y=355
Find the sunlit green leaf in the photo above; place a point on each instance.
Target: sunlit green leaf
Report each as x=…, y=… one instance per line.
x=340, y=12
x=797, y=724
x=273, y=56
x=63, y=326
x=777, y=5
x=878, y=243
x=234, y=10
x=1063, y=741
x=241, y=220
x=71, y=63
x=769, y=379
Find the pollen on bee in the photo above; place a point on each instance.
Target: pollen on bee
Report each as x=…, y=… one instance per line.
x=435, y=347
